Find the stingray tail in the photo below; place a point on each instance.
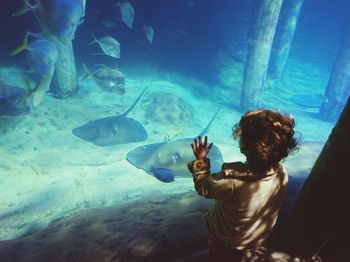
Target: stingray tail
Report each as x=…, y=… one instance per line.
x=137, y=99
x=205, y=130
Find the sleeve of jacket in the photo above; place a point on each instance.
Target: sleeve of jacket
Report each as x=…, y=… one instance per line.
x=209, y=185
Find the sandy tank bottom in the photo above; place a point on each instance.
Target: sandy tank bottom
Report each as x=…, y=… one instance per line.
x=47, y=174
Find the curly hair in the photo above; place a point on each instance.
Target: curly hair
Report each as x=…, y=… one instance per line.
x=266, y=137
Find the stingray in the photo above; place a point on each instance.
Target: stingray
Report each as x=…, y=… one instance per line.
x=13, y=101
x=113, y=130
x=166, y=157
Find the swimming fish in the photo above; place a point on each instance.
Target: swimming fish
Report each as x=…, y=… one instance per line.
x=171, y=135
x=108, y=79
x=127, y=13
x=37, y=12
x=109, y=23
x=149, y=33
x=42, y=55
x=26, y=7
x=62, y=17
x=109, y=45
x=59, y=18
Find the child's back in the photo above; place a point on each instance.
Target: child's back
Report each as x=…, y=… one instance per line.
x=248, y=195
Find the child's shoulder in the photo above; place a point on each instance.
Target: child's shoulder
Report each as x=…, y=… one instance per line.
x=241, y=171
x=235, y=170
x=239, y=166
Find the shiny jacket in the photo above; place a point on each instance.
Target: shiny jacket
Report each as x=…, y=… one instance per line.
x=247, y=204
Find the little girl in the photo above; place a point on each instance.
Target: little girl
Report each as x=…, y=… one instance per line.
x=248, y=195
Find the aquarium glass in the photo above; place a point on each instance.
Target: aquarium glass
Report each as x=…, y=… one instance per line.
x=100, y=101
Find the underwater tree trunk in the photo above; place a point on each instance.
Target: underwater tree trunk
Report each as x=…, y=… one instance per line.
x=320, y=217
x=338, y=88
x=65, y=80
x=263, y=30
x=283, y=40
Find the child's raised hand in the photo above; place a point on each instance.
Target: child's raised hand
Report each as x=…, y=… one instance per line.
x=201, y=150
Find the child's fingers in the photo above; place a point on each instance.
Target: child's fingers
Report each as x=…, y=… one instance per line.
x=205, y=141
x=193, y=148
x=210, y=146
x=195, y=143
x=199, y=140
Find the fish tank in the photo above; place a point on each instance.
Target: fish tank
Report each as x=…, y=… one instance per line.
x=101, y=100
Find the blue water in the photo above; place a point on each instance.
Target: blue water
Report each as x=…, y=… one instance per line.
x=50, y=179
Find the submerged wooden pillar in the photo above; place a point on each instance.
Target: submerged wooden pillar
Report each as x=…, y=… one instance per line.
x=320, y=218
x=65, y=81
x=338, y=88
x=282, y=42
x=263, y=30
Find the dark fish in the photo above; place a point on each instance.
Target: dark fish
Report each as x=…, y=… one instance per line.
x=56, y=17
x=109, y=45
x=172, y=156
x=42, y=55
x=109, y=23
x=63, y=16
x=127, y=13
x=113, y=130
x=108, y=79
x=149, y=33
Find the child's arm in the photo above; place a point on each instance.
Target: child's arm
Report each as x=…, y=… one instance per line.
x=209, y=186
